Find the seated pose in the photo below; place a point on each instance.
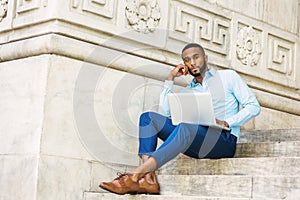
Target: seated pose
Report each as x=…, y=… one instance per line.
x=234, y=104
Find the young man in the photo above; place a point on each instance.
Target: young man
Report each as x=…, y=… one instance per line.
x=228, y=92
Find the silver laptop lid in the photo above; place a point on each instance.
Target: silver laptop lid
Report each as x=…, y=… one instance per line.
x=194, y=108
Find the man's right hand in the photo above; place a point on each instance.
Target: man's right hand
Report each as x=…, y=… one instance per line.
x=179, y=70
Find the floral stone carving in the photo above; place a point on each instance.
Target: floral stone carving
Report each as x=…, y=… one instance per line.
x=143, y=15
x=3, y=8
x=248, y=48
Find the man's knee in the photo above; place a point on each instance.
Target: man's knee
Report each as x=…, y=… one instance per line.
x=150, y=115
x=145, y=117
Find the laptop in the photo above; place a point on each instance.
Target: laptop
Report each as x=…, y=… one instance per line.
x=193, y=108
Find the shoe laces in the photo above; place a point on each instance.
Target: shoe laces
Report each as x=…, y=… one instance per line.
x=120, y=175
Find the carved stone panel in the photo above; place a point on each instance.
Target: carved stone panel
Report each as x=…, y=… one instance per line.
x=143, y=15
x=248, y=47
x=103, y=8
x=264, y=51
x=95, y=11
x=3, y=9
x=27, y=5
x=211, y=30
x=281, y=55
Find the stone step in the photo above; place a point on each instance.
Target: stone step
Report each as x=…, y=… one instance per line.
x=186, y=187
x=239, y=167
x=273, y=135
x=233, y=166
x=265, y=167
x=232, y=186
x=268, y=149
x=109, y=196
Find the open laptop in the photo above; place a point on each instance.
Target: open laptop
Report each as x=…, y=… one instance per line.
x=194, y=108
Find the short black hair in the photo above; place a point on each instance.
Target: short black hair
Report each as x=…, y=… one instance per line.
x=190, y=45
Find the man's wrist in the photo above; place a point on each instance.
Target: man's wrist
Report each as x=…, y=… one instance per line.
x=170, y=77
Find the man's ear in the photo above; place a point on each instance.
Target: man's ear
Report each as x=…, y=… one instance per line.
x=206, y=58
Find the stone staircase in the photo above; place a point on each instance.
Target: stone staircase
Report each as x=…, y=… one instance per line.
x=266, y=166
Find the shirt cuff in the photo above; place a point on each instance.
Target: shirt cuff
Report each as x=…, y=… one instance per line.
x=169, y=84
x=229, y=122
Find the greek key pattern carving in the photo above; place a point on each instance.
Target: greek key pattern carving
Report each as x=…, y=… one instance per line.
x=212, y=31
x=248, y=48
x=104, y=8
x=27, y=5
x=3, y=9
x=281, y=55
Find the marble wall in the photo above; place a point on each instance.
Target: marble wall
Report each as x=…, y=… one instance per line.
x=75, y=75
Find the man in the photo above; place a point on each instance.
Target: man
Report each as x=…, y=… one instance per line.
x=229, y=93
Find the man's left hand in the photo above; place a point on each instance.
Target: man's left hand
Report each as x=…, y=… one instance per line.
x=222, y=123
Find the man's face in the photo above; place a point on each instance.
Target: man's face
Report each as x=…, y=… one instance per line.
x=197, y=61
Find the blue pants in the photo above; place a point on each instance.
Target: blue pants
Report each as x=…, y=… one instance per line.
x=192, y=140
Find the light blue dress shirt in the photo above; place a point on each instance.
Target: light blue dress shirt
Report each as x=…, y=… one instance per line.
x=232, y=99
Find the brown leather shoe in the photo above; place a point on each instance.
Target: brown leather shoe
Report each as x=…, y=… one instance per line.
x=149, y=188
x=121, y=185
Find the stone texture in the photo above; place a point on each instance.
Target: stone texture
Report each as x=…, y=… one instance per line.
x=68, y=117
x=152, y=92
x=62, y=178
x=274, y=187
x=248, y=7
x=275, y=9
x=119, y=101
x=269, y=11
x=23, y=84
x=237, y=166
x=240, y=186
x=277, y=187
x=273, y=119
x=99, y=196
x=271, y=135
x=50, y=138
x=18, y=178
x=60, y=136
x=268, y=149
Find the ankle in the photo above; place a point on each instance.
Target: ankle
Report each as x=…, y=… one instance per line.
x=136, y=177
x=150, y=177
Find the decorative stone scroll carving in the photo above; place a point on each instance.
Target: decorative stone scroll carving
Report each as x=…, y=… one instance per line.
x=3, y=9
x=248, y=47
x=143, y=15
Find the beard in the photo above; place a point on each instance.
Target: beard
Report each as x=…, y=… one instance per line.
x=203, y=69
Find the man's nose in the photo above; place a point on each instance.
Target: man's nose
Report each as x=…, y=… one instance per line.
x=193, y=62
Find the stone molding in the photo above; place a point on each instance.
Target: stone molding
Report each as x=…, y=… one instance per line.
x=55, y=44
x=274, y=51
